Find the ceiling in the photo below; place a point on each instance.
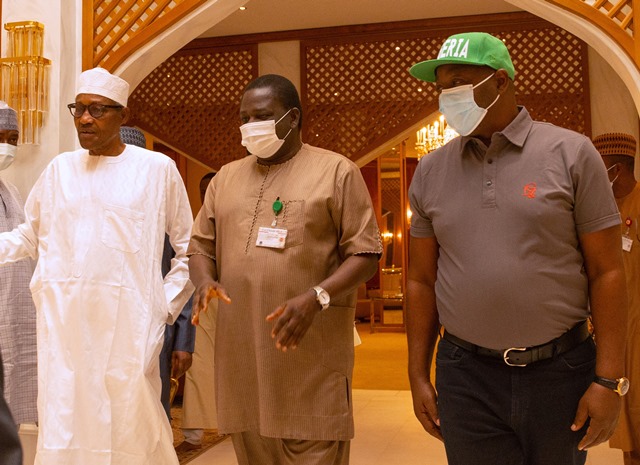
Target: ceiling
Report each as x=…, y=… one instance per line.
x=284, y=15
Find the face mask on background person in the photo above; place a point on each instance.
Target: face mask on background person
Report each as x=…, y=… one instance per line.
x=7, y=154
x=614, y=179
x=260, y=137
x=460, y=108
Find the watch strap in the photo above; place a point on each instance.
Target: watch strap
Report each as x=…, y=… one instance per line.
x=620, y=386
x=606, y=382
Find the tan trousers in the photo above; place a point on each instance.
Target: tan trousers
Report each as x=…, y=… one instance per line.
x=198, y=403
x=253, y=449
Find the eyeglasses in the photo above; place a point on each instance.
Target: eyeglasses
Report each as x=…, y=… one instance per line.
x=96, y=110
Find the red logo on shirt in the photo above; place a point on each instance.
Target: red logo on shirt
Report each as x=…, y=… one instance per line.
x=530, y=190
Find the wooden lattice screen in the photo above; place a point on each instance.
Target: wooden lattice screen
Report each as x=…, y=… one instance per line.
x=620, y=12
x=391, y=198
x=112, y=29
x=356, y=91
x=615, y=17
x=191, y=102
x=358, y=94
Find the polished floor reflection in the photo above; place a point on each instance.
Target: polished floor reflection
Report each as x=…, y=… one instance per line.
x=388, y=433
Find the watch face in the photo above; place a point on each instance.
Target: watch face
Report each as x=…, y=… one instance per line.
x=623, y=386
x=323, y=298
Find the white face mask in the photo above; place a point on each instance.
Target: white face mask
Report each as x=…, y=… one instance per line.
x=260, y=137
x=7, y=154
x=460, y=109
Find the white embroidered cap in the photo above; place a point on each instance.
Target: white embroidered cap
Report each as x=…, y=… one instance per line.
x=8, y=117
x=99, y=81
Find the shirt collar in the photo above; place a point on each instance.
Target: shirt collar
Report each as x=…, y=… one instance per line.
x=516, y=132
x=519, y=129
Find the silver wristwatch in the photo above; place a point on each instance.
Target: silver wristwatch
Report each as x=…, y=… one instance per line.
x=322, y=297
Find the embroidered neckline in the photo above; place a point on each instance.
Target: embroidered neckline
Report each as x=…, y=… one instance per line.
x=255, y=212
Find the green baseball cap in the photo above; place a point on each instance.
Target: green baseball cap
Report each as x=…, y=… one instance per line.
x=468, y=48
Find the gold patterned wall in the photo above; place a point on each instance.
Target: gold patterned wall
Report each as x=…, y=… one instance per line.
x=191, y=101
x=358, y=94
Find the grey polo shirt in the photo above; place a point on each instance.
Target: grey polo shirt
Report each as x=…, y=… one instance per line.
x=507, y=220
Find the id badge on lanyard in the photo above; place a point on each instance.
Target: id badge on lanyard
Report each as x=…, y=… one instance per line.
x=274, y=238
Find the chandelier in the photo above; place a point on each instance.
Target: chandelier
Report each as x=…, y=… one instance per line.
x=433, y=136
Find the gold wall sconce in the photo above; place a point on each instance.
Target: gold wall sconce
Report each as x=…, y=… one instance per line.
x=24, y=76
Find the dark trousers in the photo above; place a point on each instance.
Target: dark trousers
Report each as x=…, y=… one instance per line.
x=165, y=368
x=10, y=448
x=494, y=414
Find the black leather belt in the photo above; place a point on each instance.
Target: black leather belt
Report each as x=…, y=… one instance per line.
x=523, y=356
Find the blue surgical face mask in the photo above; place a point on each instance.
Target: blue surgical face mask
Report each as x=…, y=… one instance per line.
x=460, y=109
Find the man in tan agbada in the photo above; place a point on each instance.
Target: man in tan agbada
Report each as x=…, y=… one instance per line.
x=284, y=238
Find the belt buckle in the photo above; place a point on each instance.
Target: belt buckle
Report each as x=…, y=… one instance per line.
x=505, y=356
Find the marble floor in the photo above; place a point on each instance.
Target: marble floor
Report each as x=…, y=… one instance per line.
x=388, y=433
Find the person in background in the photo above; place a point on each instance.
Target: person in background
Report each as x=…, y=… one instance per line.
x=17, y=311
x=198, y=400
x=10, y=448
x=284, y=238
x=95, y=221
x=514, y=243
x=179, y=337
x=618, y=151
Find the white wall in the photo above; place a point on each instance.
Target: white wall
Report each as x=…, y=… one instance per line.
x=612, y=108
x=280, y=58
x=62, y=20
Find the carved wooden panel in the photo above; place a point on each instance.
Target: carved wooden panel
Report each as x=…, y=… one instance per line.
x=191, y=102
x=619, y=12
x=552, y=76
x=358, y=93
x=615, y=17
x=356, y=90
x=113, y=28
x=391, y=198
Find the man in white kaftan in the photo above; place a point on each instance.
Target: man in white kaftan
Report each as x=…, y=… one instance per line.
x=95, y=222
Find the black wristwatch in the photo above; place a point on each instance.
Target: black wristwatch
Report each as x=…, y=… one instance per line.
x=620, y=385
